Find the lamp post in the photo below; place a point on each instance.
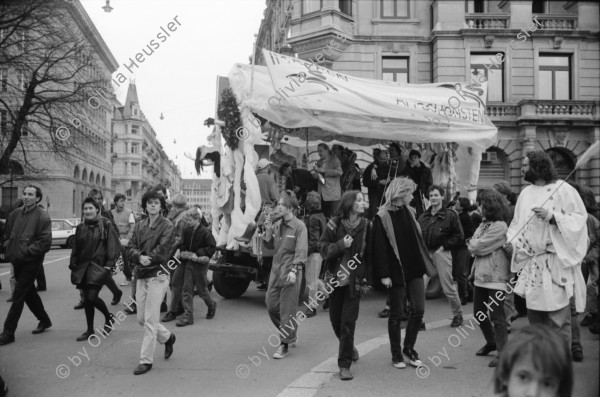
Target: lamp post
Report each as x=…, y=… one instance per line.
x=107, y=7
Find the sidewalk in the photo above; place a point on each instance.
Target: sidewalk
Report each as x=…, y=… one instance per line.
x=451, y=371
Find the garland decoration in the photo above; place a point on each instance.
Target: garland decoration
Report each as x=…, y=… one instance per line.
x=230, y=113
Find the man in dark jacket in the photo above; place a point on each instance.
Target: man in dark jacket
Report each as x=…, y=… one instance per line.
x=27, y=238
x=421, y=175
x=197, y=247
x=149, y=250
x=374, y=179
x=298, y=180
x=442, y=233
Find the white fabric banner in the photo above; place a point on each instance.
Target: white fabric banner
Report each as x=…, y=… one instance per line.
x=297, y=93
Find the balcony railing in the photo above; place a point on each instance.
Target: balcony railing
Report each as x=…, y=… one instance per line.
x=544, y=110
x=557, y=22
x=502, y=110
x=488, y=21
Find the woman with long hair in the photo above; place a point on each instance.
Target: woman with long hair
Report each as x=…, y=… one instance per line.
x=344, y=245
x=491, y=272
x=95, y=251
x=401, y=258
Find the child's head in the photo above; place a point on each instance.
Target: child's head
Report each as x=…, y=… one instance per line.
x=537, y=359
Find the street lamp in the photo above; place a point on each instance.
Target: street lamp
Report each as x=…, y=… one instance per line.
x=107, y=7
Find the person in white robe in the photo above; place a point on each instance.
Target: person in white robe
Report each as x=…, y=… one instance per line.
x=548, y=239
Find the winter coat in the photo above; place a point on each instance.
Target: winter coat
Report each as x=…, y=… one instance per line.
x=96, y=246
x=410, y=245
x=441, y=229
x=154, y=241
x=421, y=176
x=199, y=241
x=491, y=264
x=342, y=262
x=27, y=236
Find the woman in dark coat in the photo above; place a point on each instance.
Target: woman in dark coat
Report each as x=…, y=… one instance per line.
x=344, y=245
x=401, y=259
x=95, y=251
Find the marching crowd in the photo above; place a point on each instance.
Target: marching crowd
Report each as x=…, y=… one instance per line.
x=535, y=255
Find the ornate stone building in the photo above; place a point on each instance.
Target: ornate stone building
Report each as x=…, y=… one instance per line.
x=138, y=159
x=543, y=88
x=66, y=183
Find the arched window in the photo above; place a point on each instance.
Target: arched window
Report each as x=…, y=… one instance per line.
x=494, y=167
x=563, y=162
x=84, y=175
x=98, y=179
x=91, y=177
x=76, y=173
x=103, y=181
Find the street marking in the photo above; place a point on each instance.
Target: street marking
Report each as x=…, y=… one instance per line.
x=309, y=384
x=45, y=263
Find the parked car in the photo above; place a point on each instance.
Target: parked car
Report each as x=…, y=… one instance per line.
x=63, y=233
x=74, y=221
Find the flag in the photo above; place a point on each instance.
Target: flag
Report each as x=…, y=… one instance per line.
x=588, y=154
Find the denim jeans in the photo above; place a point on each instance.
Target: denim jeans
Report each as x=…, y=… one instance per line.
x=443, y=264
x=498, y=334
x=25, y=293
x=149, y=295
x=195, y=274
x=282, y=302
x=343, y=313
x=416, y=290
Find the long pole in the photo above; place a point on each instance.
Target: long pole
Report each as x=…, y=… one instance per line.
x=253, y=62
x=545, y=201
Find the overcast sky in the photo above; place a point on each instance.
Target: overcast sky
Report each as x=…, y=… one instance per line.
x=179, y=78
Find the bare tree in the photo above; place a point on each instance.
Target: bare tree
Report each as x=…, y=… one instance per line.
x=48, y=72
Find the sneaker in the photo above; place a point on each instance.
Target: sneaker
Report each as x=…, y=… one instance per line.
x=78, y=306
x=142, y=369
x=398, y=363
x=182, y=322
x=345, y=374
x=126, y=283
x=281, y=352
x=385, y=313
x=577, y=356
x=412, y=357
x=457, y=321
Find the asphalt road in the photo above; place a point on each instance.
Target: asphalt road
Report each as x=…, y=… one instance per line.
x=231, y=355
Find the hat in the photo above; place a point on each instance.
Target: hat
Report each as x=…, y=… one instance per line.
x=262, y=163
x=414, y=153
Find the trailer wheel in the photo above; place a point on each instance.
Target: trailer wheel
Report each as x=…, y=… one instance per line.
x=229, y=287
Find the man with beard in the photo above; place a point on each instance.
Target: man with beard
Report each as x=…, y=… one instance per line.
x=548, y=237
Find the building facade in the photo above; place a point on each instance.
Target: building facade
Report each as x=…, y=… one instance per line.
x=541, y=60
x=197, y=191
x=68, y=178
x=138, y=159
